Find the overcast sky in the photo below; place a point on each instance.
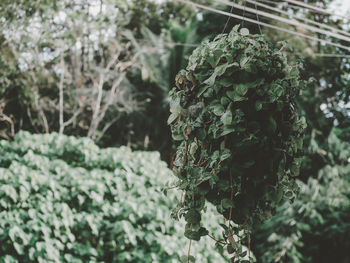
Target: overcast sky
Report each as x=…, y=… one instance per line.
x=341, y=7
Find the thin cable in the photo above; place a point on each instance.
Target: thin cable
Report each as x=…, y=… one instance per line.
x=311, y=8
x=300, y=18
x=290, y=22
x=315, y=8
x=257, y=18
x=266, y=25
x=270, y=2
x=297, y=7
x=228, y=19
x=330, y=55
x=313, y=55
x=242, y=24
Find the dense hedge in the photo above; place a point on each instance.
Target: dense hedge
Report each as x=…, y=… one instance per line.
x=64, y=199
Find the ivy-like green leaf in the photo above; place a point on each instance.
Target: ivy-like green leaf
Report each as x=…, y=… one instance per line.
x=241, y=89
x=218, y=109
x=172, y=118
x=193, y=216
x=226, y=118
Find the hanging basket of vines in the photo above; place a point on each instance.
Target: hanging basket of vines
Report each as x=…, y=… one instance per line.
x=239, y=135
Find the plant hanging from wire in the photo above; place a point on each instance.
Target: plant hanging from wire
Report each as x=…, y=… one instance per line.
x=239, y=135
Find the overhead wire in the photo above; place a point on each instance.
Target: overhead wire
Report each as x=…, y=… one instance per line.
x=288, y=21
x=257, y=18
x=257, y=3
x=266, y=25
x=315, y=8
x=228, y=20
x=328, y=55
x=311, y=8
x=242, y=23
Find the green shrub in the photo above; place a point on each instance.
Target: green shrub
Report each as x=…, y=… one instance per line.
x=316, y=227
x=63, y=199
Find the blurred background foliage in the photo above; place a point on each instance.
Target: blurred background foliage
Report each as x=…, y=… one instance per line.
x=64, y=199
x=103, y=69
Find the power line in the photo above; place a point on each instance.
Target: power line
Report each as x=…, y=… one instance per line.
x=256, y=3
x=242, y=23
x=311, y=8
x=288, y=21
x=315, y=8
x=329, y=55
x=266, y=25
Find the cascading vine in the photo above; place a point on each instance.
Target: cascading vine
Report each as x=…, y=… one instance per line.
x=239, y=134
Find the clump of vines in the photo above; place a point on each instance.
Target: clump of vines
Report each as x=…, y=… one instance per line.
x=234, y=116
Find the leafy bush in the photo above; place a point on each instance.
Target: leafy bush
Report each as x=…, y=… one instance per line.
x=63, y=199
x=234, y=112
x=316, y=227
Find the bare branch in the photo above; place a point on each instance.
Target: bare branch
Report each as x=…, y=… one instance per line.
x=60, y=87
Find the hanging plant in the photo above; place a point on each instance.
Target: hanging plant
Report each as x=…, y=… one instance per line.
x=239, y=134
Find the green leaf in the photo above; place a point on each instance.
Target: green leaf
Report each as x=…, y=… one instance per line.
x=186, y=259
x=202, y=90
x=193, y=216
x=289, y=194
x=18, y=248
x=272, y=125
x=172, y=118
x=225, y=82
x=226, y=118
x=224, y=101
x=227, y=203
x=212, y=61
x=227, y=130
x=203, y=231
x=241, y=89
x=233, y=95
x=218, y=109
x=230, y=94
x=193, y=235
x=278, y=195
x=221, y=69
x=244, y=61
x=225, y=154
x=243, y=254
x=258, y=105
x=219, y=247
x=211, y=80
x=177, y=137
x=275, y=91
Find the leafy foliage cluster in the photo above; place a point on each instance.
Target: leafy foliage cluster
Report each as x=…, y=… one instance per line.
x=234, y=113
x=316, y=227
x=63, y=199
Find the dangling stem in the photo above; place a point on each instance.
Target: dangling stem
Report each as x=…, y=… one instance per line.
x=249, y=245
x=230, y=236
x=189, y=251
x=213, y=238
